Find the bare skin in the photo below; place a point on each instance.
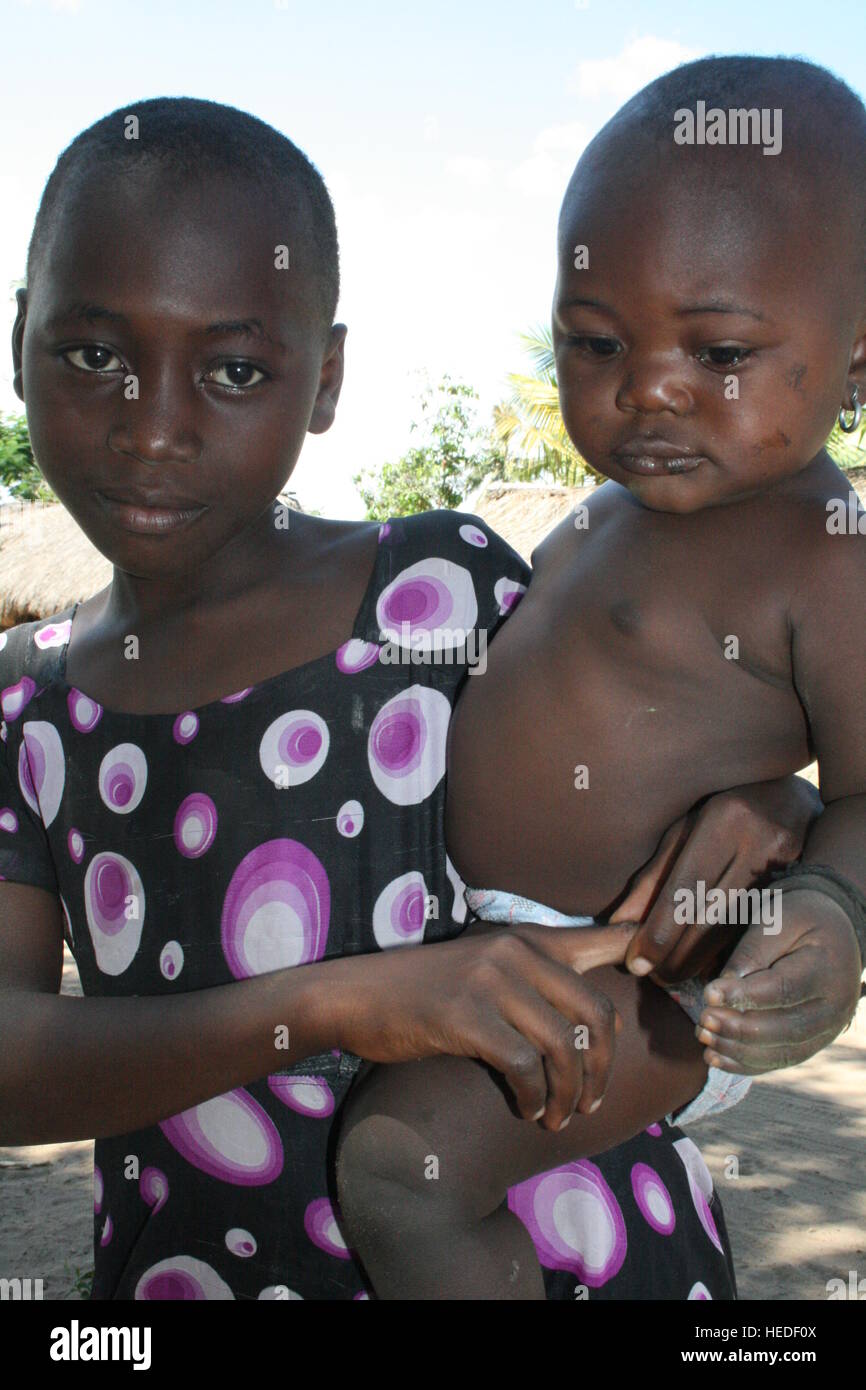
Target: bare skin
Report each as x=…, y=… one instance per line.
x=696, y=628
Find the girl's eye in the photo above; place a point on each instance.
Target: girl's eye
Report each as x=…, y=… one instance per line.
x=236, y=375
x=596, y=347
x=93, y=358
x=724, y=356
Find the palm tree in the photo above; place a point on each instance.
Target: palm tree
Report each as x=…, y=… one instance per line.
x=848, y=450
x=530, y=422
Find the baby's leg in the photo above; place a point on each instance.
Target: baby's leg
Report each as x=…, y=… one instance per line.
x=428, y=1150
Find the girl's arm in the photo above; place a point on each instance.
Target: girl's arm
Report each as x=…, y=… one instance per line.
x=81, y=1068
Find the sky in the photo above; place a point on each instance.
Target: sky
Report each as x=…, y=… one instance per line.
x=446, y=133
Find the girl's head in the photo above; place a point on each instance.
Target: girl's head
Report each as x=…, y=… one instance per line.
x=176, y=337
x=716, y=322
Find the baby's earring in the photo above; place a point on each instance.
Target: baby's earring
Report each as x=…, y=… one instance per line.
x=857, y=409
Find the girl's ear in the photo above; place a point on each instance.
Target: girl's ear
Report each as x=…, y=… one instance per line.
x=330, y=381
x=17, y=343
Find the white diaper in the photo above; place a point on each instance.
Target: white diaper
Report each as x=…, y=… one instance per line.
x=722, y=1088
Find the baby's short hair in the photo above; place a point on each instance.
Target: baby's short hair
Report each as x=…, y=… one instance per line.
x=187, y=136
x=824, y=122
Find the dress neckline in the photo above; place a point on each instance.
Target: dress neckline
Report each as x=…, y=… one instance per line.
x=359, y=628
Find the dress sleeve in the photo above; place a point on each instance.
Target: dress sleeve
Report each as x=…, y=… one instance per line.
x=25, y=855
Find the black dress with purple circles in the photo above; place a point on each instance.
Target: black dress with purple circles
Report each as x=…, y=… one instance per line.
x=298, y=820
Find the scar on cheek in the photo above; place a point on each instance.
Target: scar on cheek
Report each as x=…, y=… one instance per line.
x=795, y=376
x=779, y=440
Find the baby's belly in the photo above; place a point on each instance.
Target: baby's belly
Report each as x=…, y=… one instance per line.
x=562, y=780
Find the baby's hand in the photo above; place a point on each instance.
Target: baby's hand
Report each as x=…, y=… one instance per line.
x=781, y=998
x=729, y=842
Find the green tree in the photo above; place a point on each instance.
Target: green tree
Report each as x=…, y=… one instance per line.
x=451, y=457
x=18, y=468
x=848, y=450
x=530, y=422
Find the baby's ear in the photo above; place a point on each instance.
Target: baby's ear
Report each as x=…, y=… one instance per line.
x=17, y=343
x=330, y=381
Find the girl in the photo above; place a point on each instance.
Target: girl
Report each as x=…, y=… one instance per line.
x=209, y=776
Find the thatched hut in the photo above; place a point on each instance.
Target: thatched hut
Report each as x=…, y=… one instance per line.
x=523, y=513
x=47, y=563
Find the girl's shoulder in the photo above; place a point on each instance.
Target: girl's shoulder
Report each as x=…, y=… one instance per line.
x=31, y=655
x=449, y=563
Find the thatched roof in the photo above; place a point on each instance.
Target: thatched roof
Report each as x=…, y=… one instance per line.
x=47, y=563
x=523, y=513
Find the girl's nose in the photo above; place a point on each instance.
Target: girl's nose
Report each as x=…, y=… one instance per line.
x=650, y=387
x=155, y=421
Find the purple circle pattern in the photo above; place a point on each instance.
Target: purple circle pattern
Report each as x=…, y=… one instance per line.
x=229, y=1137
x=84, y=713
x=297, y=742
x=185, y=727
x=320, y=1224
x=356, y=655
x=276, y=910
x=110, y=881
x=15, y=697
x=574, y=1220
x=43, y=774
x=432, y=600
x=153, y=1186
x=653, y=1199
x=406, y=745
x=181, y=1279
x=399, y=914
x=123, y=777
x=195, y=825
x=308, y=1095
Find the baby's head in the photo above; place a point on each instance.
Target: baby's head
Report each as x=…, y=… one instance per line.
x=182, y=281
x=715, y=323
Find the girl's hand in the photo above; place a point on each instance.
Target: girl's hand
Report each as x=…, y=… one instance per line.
x=782, y=998
x=732, y=841
x=510, y=996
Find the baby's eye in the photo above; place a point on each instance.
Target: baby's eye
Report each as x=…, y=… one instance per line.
x=93, y=358
x=727, y=356
x=596, y=347
x=236, y=375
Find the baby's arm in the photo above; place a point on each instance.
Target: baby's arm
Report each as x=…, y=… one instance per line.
x=783, y=996
x=445, y=1231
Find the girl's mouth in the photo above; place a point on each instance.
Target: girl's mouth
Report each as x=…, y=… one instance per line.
x=150, y=521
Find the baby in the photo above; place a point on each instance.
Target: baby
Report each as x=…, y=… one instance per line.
x=697, y=625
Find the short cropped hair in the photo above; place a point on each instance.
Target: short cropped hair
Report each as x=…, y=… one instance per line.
x=823, y=119
x=188, y=136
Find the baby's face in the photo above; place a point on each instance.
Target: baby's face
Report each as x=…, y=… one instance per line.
x=165, y=350
x=703, y=354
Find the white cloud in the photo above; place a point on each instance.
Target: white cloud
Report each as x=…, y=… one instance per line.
x=471, y=168
x=633, y=67
x=555, y=152
x=431, y=130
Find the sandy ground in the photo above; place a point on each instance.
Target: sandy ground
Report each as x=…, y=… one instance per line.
x=795, y=1198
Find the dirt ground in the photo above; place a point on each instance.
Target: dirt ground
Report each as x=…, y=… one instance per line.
x=795, y=1198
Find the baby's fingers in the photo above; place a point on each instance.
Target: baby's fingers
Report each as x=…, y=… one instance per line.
x=786, y=984
x=755, y=1056
x=765, y=1030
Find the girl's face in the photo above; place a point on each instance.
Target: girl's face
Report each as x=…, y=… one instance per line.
x=166, y=350
x=704, y=352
